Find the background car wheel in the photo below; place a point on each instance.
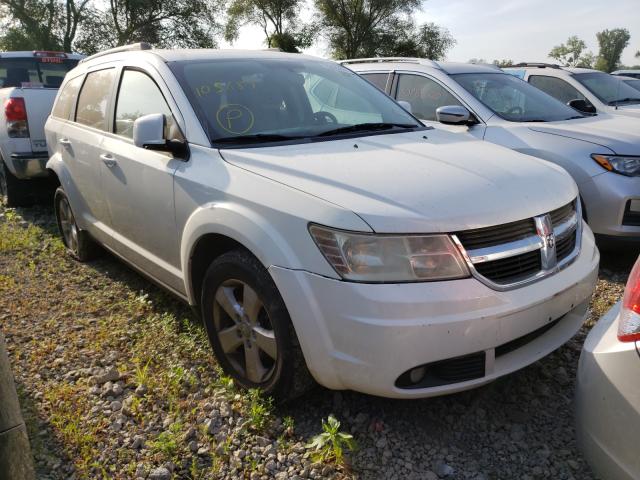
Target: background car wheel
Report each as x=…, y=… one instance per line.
x=249, y=327
x=79, y=243
x=13, y=191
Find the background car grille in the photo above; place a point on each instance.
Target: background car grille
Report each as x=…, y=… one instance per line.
x=521, y=238
x=490, y=236
x=630, y=218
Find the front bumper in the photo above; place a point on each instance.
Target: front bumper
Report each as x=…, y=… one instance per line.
x=608, y=401
x=606, y=197
x=365, y=336
x=29, y=164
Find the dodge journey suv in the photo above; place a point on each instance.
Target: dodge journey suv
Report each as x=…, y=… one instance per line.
x=356, y=246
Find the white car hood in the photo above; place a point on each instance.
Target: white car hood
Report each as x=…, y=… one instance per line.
x=402, y=183
x=619, y=134
x=628, y=110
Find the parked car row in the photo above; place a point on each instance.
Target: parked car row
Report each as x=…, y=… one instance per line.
x=368, y=235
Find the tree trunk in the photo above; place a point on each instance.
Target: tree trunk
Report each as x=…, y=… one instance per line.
x=15, y=453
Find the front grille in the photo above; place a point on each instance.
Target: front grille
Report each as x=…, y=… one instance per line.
x=511, y=269
x=630, y=218
x=562, y=214
x=491, y=236
x=446, y=372
x=509, y=255
x=565, y=246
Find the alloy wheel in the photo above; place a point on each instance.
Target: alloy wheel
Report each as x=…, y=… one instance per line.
x=68, y=225
x=244, y=330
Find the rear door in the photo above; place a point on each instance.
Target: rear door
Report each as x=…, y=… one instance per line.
x=138, y=183
x=81, y=141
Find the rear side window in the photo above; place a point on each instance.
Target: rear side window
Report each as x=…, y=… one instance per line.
x=94, y=99
x=378, y=79
x=556, y=87
x=424, y=95
x=45, y=72
x=64, y=105
x=138, y=96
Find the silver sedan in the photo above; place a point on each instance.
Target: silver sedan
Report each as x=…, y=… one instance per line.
x=608, y=389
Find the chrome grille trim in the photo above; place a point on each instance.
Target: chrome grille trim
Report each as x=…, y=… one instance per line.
x=568, y=222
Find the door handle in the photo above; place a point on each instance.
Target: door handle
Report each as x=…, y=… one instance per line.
x=108, y=160
x=65, y=141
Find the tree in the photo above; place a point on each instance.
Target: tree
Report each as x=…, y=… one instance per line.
x=638, y=54
x=570, y=54
x=353, y=27
x=41, y=24
x=503, y=63
x=612, y=43
x=402, y=38
x=178, y=23
x=477, y=61
x=278, y=19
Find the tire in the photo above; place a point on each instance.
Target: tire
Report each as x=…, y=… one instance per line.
x=13, y=191
x=258, y=347
x=78, y=243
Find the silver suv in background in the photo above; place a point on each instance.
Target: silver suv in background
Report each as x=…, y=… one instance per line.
x=29, y=82
x=587, y=90
x=601, y=152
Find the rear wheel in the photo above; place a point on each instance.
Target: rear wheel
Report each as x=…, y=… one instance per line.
x=249, y=327
x=78, y=242
x=13, y=191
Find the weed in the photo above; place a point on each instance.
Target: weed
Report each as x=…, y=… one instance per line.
x=141, y=376
x=331, y=443
x=167, y=441
x=260, y=410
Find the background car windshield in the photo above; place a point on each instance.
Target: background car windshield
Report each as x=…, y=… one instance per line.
x=608, y=88
x=292, y=98
x=37, y=71
x=514, y=99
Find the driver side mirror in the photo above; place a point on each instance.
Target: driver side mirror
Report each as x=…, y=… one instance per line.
x=148, y=133
x=406, y=105
x=582, y=105
x=454, y=115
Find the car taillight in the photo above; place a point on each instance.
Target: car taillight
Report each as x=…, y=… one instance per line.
x=629, y=323
x=15, y=113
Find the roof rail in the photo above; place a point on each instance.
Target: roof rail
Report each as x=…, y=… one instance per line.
x=124, y=48
x=422, y=61
x=537, y=65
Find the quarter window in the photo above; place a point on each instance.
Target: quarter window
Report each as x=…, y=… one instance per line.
x=424, y=95
x=378, y=79
x=138, y=96
x=94, y=99
x=556, y=87
x=64, y=105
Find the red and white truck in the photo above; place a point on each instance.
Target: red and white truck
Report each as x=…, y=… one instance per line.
x=29, y=83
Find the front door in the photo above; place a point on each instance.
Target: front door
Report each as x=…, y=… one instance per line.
x=138, y=183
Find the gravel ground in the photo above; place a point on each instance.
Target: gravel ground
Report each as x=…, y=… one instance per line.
x=117, y=381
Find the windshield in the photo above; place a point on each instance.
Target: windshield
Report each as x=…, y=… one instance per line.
x=45, y=72
x=514, y=99
x=607, y=88
x=254, y=100
x=635, y=83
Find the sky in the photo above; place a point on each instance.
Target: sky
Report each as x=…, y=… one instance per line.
x=520, y=30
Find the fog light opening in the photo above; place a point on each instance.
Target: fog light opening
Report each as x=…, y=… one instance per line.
x=417, y=374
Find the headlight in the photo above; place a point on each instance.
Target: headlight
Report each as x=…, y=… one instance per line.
x=625, y=165
x=362, y=257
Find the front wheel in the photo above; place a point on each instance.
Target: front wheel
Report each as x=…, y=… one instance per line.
x=249, y=327
x=78, y=242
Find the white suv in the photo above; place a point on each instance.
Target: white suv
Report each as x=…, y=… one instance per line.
x=380, y=255
x=587, y=90
x=602, y=153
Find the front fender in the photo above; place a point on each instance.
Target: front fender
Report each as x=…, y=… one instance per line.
x=275, y=243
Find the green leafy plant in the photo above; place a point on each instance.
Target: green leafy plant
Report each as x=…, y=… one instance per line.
x=260, y=409
x=331, y=443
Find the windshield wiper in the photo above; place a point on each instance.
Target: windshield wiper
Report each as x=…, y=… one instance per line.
x=624, y=100
x=366, y=127
x=534, y=120
x=256, y=138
